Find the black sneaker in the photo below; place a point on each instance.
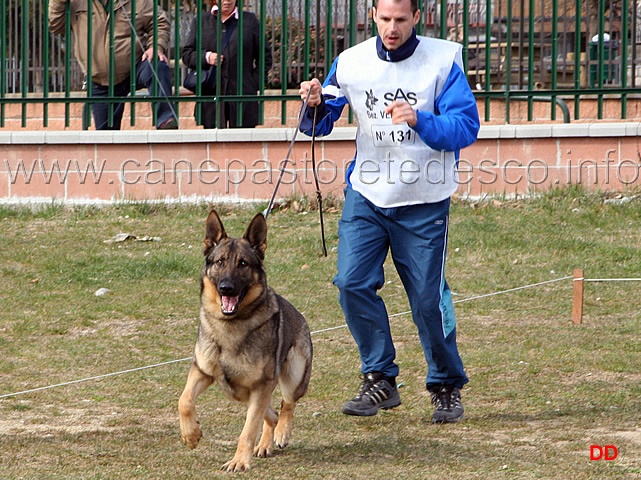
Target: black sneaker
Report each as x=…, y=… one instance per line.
x=376, y=392
x=447, y=400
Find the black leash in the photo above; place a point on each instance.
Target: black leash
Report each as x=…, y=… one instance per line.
x=289, y=153
x=319, y=196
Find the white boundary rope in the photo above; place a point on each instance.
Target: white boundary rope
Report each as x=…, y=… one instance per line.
x=509, y=290
x=131, y=370
x=97, y=377
x=147, y=367
x=610, y=279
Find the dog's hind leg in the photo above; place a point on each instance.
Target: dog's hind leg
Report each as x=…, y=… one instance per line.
x=197, y=382
x=284, y=427
x=259, y=401
x=294, y=380
x=265, y=445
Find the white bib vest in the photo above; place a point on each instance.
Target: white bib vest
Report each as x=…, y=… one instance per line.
x=393, y=166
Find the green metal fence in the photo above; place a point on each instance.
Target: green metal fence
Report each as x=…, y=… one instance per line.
x=556, y=51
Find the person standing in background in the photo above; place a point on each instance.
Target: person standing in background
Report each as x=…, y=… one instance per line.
x=227, y=58
x=103, y=13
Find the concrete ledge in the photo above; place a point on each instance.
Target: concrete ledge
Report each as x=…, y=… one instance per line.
x=487, y=132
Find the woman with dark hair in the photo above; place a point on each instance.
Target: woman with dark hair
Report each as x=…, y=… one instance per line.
x=226, y=58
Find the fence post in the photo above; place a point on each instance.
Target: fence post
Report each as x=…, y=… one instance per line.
x=577, y=298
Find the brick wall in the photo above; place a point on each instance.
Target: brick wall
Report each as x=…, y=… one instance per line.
x=77, y=166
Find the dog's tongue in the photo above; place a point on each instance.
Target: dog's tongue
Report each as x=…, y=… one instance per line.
x=229, y=304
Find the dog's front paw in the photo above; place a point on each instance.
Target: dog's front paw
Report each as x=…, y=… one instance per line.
x=191, y=434
x=263, y=451
x=237, y=464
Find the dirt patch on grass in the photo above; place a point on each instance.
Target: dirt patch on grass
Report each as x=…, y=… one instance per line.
x=55, y=420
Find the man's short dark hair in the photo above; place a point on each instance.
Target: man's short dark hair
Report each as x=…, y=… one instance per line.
x=413, y=2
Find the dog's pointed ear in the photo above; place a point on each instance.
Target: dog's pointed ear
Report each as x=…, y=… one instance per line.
x=214, y=232
x=256, y=234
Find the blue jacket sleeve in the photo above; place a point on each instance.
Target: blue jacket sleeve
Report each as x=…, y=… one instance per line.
x=455, y=123
x=330, y=109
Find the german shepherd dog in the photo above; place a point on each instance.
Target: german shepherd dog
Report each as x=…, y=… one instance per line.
x=249, y=340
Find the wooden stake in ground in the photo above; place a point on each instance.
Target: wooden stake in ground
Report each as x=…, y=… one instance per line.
x=577, y=297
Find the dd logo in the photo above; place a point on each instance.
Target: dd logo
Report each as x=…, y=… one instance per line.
x=606, y=452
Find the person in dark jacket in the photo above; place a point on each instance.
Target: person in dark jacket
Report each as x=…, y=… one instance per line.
x=249, y=40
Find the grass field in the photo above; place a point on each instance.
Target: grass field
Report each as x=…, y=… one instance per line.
x=541, y=390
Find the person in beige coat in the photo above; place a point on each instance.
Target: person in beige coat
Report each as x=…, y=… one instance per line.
x=105, y=52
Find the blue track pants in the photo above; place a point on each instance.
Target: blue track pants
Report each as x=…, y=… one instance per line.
x=416, y=235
